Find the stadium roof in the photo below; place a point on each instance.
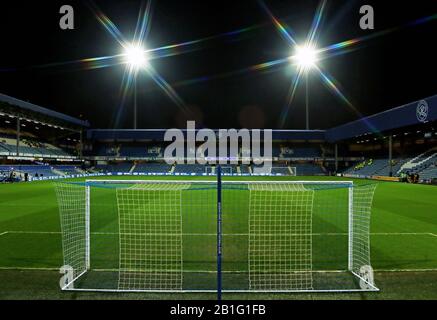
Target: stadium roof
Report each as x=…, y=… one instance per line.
x=414, y=113
x=27, y=106
x=418, y=112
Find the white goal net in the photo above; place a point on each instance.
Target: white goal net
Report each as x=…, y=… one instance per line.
x=150, y=223
x=161, y=236
x=280, y=233
x=72, y=209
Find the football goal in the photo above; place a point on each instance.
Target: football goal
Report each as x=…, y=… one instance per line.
x=204, y=236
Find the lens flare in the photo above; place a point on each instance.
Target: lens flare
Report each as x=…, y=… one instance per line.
x=305, y=57
x=136, y=56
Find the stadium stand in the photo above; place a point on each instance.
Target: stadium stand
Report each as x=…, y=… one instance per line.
x=154, y=152
x=396, y=165
x=107, y=150
x=300, y=152
x=429, y=173
x=419, y=163
x=133, y=151
x=308, y=169
x=67, y=170
x=117, y=167
x=8, y=146
x=4, y=175
x=41, y=170
x=313, y=152
x=276, y=151
x=245, y=169
x=376, y=167
x=121, y=167
x=281, y=169
x=152, y=168
x=190, y=169
x=301, y=168
x=32, y=170
x=230, y=169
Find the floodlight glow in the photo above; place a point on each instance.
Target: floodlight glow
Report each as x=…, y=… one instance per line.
x=305, y=57
x=136, y=56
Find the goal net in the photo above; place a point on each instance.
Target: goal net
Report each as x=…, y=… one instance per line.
x=161, y=236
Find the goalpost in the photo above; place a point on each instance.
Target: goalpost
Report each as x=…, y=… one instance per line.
x=162, y=236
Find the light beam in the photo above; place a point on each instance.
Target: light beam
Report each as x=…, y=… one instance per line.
x=136, y=57
x=305, y=57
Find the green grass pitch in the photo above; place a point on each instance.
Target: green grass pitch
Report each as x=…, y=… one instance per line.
x=403, y=239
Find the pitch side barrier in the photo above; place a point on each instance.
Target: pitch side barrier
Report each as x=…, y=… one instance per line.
x=144, y=174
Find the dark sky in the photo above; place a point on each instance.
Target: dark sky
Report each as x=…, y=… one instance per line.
x=379, y=74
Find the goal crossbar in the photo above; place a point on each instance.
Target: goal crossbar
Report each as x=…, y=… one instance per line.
x=213, y=182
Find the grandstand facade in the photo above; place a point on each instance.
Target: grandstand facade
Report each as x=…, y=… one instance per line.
x=43, y=144
x=38, y=143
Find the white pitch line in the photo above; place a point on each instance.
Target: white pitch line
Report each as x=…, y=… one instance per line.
x=231, y=271
x=405, y=270
x=212, y=271
x=234, y=234
x=33, y=232
x=116, y=233
x=30, y=268
x=400, y=234
x=237, y=234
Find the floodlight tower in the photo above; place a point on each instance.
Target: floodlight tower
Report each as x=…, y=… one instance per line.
x=305, y=58
x=138, y=59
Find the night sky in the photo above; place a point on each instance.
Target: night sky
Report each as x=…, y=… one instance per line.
x=377, y=74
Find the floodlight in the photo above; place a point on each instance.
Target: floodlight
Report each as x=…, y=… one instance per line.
x=305, y=57
x=136, y=56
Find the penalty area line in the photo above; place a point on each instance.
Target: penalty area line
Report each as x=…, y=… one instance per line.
x=29, y=268
x=3, y=233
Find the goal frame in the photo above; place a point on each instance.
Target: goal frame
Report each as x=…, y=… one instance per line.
x=294, y=169
x=349, y=184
